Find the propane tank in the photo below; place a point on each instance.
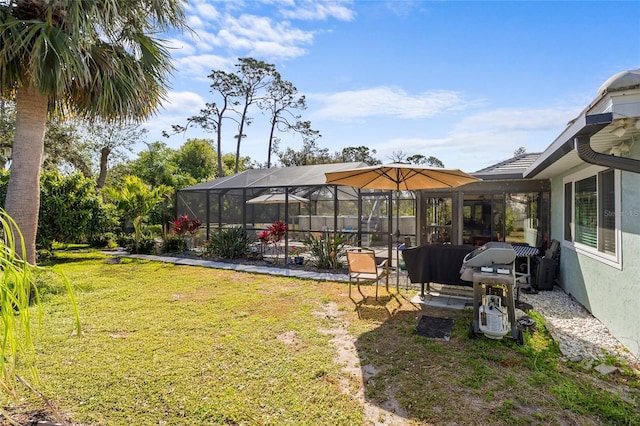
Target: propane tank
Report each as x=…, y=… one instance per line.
x=493, y=318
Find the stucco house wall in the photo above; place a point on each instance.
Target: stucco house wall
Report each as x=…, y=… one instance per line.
x=598, y=267
x=610, y=293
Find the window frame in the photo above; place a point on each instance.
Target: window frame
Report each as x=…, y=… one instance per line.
x=568, y=183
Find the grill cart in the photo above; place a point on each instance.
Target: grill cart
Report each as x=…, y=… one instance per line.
x=491, y=267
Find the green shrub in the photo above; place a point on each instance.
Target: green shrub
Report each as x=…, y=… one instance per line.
x=106, y=240
x=43, y=255
x=146, y=245
x=155, y=229
x=124, y=240
x=134, y=200
x=229, y=243
x=71, y=209
x=327, y=249
x=173, y=244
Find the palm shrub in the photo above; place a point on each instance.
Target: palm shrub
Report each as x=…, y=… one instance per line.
x=135, y=200
x=229, y=243
x=327, y=249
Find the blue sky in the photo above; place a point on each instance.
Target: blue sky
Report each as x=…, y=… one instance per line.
x=466, y=82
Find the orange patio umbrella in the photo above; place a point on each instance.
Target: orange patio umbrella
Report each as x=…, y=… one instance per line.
x=399, y=177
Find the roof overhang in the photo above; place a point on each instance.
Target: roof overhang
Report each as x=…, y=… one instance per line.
x=585, y=126
x=611, y=121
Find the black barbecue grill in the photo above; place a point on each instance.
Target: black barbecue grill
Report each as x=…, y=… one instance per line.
x=491, y=268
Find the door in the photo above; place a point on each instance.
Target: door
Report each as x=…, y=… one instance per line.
x=437, y=224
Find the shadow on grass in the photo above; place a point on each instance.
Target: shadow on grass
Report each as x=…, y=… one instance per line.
x=381, y=309
x=62, y=260
x=397, y=364
x=410, y=379
x=414, y=379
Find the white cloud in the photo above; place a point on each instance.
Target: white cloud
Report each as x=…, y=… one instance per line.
x=388, y=101
x=200, y=12
x=486, y=138
x=271, y=49
x=207, y=11
x=316, y=10
x=205, y=41
x=225, y=26
x=178, y=107
x=183, y=103
x=249, y=32
x=180, y=47
x=249, y=35
x=195, y=22
x=405, y=8
x=200, y=66
x=458, y=150
x=519, y=119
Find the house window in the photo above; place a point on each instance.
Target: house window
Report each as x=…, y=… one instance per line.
x=607, y=212
x=585, y=215
x=568, y=208
x=590, y=220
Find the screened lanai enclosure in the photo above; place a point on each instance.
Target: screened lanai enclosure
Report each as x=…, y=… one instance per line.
x=300, y=197
x=501, y=207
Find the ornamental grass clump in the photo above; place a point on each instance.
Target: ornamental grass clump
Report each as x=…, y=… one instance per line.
x=327, y=249
x=229, y=243
x=17, y=292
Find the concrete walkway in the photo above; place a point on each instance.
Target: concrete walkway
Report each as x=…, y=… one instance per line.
x=255, y=269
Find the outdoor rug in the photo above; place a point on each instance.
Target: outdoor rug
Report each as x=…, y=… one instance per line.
x=434, y=327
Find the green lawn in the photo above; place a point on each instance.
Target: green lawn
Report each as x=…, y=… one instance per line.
x=180, y=345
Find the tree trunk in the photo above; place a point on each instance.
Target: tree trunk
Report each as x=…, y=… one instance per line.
x=81, y=165
x=273, y=128
x=243, y=120
x=104, y=157
x=219, y=148
x=23, y=190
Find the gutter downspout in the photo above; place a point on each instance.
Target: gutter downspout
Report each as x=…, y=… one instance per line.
x=587, y=154
x=582, y=145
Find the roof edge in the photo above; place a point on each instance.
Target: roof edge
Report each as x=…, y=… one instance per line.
x=583, y=125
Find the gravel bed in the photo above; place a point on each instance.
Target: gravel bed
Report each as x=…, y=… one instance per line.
x=580, y=335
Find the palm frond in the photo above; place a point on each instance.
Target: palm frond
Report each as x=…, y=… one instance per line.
x=93, y=59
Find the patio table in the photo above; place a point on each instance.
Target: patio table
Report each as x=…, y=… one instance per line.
x=437, y=263
x=526, y=251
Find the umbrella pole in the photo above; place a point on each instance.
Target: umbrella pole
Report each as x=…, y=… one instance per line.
x=397, y=241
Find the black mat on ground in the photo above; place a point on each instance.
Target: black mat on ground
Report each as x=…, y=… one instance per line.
x=434, y=327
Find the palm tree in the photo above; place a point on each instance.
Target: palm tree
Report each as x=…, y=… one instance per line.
x=81, y=58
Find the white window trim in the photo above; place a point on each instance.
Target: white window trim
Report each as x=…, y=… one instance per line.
x=608, y=259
